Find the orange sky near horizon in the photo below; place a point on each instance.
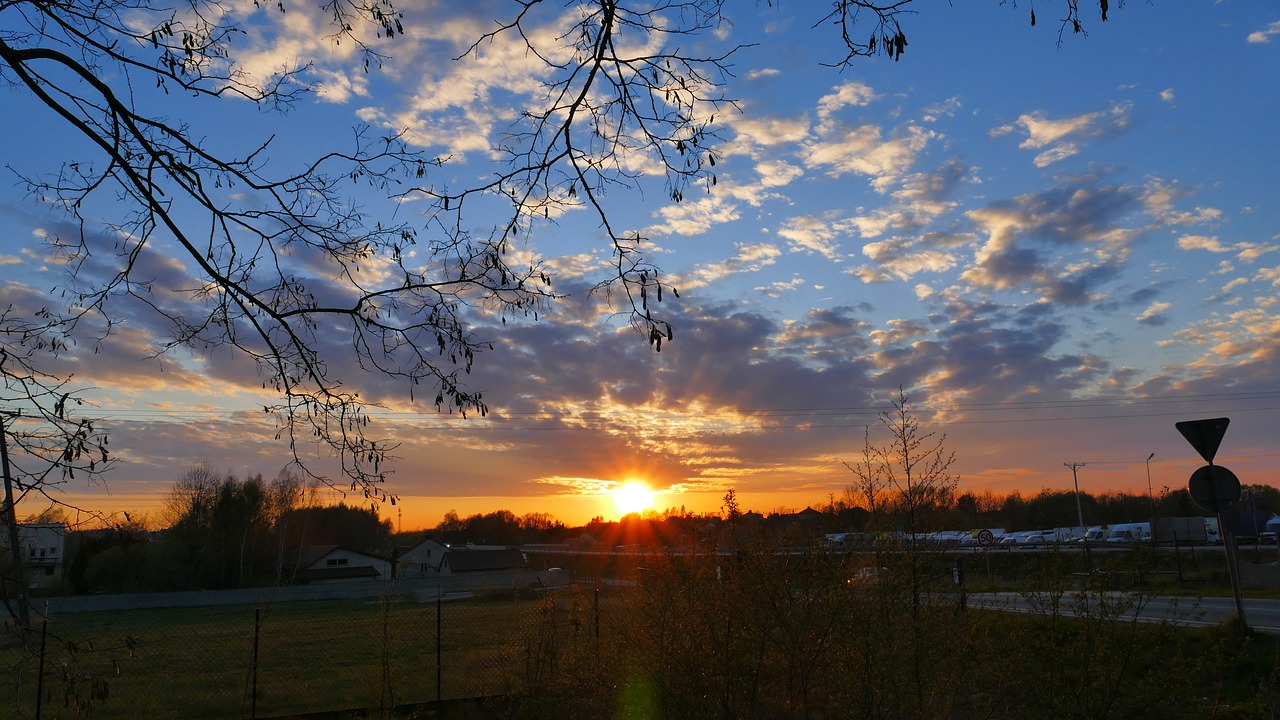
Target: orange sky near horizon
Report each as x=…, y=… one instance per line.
x=414, y=513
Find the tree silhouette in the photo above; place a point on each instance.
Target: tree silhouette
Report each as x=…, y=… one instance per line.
x=227, y=249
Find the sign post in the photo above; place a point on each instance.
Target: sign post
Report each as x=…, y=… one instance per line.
x=1216, y=489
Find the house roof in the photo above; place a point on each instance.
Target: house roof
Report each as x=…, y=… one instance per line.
x=312, y=554
x=473, y=560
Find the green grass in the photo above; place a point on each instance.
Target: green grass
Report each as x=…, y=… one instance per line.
x=685, y=635
x=311, y=657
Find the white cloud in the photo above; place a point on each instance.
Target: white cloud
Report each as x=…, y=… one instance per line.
x=1154, y=314
x=1265, y=35
x=945, y=109
x=1201, y=242
x=749, y=258
x=777, y=173
x=904, y=258
x=1054, y=154
x=1054, y=134
x=871, y=275
x=862, y=150
x=771, y=131
x=850, y=94
x=812, y=234
x=695, y=217
x=779, y=288
x=340, y=87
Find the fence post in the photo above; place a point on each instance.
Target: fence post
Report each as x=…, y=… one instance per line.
x=597, y=612
x=44, y=635
x=257, y=630
x=439, y=650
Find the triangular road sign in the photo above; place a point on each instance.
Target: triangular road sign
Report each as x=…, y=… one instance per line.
x=1204, y=435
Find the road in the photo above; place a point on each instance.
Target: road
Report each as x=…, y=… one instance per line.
x=1260, y=614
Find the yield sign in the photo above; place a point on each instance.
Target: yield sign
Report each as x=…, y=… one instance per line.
x=1204, y=435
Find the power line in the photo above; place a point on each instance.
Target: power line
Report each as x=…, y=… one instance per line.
x=708, y=418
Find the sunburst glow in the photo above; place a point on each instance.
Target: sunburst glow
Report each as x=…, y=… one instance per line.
x=633, y=496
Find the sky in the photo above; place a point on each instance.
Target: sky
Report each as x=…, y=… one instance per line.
x=1057, y=250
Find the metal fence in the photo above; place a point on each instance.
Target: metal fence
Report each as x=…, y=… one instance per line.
x=294, y=657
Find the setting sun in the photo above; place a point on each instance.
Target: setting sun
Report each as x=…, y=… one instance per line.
x=633, y=497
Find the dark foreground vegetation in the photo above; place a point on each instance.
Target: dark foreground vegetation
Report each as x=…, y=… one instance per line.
x=750, y=634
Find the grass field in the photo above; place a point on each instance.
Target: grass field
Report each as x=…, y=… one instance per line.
x=310, y=657
x=760, y=635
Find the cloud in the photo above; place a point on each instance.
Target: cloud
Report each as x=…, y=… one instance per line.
x=904, y=258
x=1265, y=35
x=777, y=173
x=848, y=94
x=1064, y=242
x=945, y=109
x=811, y=234
x=781, y=287
x=1161, y=199
x=1245, y=252
x=695, y=217
x=921, y=199
x=863, y=150
x=1167, y=95
x=747, y=258
x=770, y=131
x=340, y=87
x=1200, y=242
x=1057, y=138
x=1155, y=314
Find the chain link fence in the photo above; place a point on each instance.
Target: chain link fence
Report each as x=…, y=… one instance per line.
x=395, y=652
x=758, y=633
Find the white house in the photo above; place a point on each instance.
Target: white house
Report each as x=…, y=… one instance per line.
x=42, y=548
x=335, y=563
x=423, y=560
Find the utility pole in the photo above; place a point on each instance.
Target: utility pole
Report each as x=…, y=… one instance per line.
x=1075, y=479
x=9, y=517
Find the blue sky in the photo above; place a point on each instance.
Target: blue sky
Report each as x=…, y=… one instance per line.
x=1058, y=250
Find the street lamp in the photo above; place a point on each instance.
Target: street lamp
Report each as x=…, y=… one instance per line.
x=1150, y=496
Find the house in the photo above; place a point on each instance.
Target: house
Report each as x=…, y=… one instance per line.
x=42, y=551
x=487, y=560
x=335, y=563
x=422, y=560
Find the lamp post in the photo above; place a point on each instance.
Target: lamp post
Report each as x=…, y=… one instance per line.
x=1150, y=496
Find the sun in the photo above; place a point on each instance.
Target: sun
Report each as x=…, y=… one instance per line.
x=633, y=496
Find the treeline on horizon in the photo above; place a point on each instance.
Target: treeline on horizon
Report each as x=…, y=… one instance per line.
x=217, y=531
x=675, y=527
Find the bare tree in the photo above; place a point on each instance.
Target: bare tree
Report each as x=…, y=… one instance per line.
x=869, y=487
x=280, y=264
x=916, y=465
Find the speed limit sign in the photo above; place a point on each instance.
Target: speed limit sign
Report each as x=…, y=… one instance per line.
x=986, y=538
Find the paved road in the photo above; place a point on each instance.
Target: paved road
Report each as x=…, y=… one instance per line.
x=1261, y=614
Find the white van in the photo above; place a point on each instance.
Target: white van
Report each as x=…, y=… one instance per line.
x=1270, y=531
x=1129, y=532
